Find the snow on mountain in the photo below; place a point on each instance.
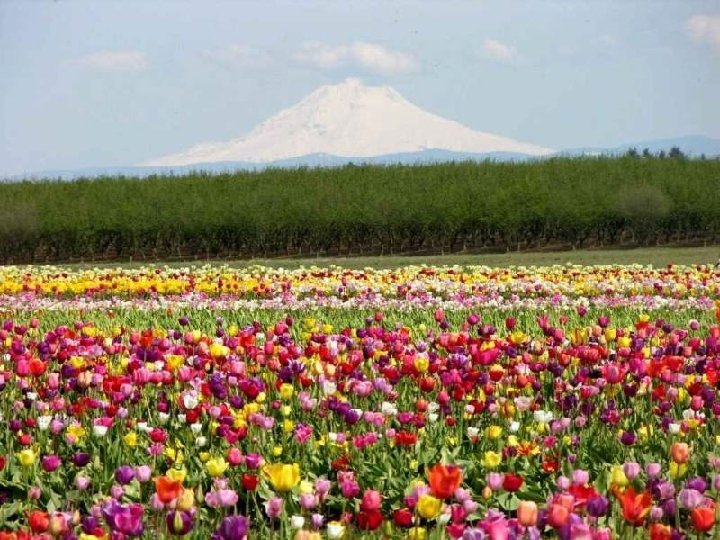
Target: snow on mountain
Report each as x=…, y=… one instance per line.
x=349, y=119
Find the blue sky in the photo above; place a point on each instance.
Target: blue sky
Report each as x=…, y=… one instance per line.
x=115, y=83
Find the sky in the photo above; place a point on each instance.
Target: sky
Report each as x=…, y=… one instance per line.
x=109, y=83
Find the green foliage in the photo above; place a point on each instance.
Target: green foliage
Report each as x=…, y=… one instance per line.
x=362, y=210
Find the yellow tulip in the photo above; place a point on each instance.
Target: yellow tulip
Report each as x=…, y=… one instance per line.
x=286, y=391
x=491, y=459
x=417, y=533
x=174, y=361
x=217, y=350
x=186, y=500
x=428, y=506
x=177, y=475
x=283, y=476
x=422, y=364
x=306, y=487
x=26, y=457
x=131, y=439
x=216, y=466
x=617, y=476
x=677, y=470
x=494, y=432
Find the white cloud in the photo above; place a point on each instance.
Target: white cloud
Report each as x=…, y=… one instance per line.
x=705, y=29
x=368, y=56
x=115, y=60
x=240, y=55
x=498, y=51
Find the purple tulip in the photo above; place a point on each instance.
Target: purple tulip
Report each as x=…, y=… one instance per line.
x=664, y=490
x=598, y=506
x=627, y=438
x=179, y=523
x=124, y=474
x=697, y=483
x=124, y=518
x=81, y=459
x=232, y=528
x=690, y=498
x=656, y=513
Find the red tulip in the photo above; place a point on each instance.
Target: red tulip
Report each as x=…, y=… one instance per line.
x=369, y=520
x=39, y=521
x=403, y=517
x=512, y=482
x=249, y=482
x=703, y=518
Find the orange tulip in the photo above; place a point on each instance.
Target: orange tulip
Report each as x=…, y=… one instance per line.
x=703, y=518
x=167, y=490
x=635, y=506
x=557, y=515
x=527, y=513
x=444, y=480
x=680, y=452
x=658, y=531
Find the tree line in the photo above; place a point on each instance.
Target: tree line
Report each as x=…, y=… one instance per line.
x=361, y=210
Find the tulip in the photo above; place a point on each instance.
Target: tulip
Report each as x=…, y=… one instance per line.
x=124, y=474
x=428, y=506
x=558, y=515
x=598, y=506
x=274, y=507
x=635, y=506
x=283, y=477
x=335, y=530
x=527, y=513
x=703, y=518
x=631, y=470
x=653, y=470
x=680, y=452
x=491, y=459
x=232, y=528
x=39, y=521
x=216, y=466
x=690, y=498
x=50, y=463
x=512, y=482
x=167, y=490
x=371, y=500
x=26, y=457
x=444, y=480
x=179, y=523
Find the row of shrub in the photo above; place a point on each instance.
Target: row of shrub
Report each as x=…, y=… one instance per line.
x=364, y=210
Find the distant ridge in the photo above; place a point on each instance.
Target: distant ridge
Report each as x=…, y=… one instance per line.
x=694, y=146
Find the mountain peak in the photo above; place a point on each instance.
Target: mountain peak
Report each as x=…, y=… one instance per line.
x=349, y=119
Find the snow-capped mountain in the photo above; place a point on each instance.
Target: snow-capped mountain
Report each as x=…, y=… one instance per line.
x=349, y=119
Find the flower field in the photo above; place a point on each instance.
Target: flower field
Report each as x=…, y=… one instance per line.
x=420, y=402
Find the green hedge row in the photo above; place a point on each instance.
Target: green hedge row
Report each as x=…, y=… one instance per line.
x=365, y=210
